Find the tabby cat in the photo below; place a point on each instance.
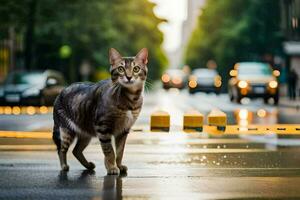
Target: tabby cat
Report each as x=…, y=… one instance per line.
x=105, y=109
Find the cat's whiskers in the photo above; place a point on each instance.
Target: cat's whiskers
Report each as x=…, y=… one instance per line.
x=148, y=86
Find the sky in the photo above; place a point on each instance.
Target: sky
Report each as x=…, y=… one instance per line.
x=175, y=12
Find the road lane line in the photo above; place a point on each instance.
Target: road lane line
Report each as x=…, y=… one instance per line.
x=25, y=134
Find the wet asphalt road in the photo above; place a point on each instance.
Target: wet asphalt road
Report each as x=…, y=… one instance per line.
x=171, y=165
x=161, y=166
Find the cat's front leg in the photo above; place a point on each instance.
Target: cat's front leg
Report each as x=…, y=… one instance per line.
x=109, y=154
x=120, y=145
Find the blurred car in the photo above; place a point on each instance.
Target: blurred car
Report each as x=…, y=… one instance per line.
x=174, y=78
x=31, y=88
x=253, y=80
x=205, y=80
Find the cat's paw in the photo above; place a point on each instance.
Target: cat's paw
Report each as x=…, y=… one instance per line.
x=113, y=171
x=123, y=168
x=65, y=168
x=90, y=166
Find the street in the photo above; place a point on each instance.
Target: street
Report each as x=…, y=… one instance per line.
x=220, y=117
x=173, y=165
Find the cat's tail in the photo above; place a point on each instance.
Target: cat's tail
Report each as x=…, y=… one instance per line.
x=56, y=137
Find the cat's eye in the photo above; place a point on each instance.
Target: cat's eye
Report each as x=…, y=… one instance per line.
x=136, y=69
x=121, y=70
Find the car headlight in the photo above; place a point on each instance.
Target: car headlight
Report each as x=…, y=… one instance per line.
x=217, y=81
x=192, y=84
x=273, y=84
x=31, y=92
x=165, y=78
x=242, y=84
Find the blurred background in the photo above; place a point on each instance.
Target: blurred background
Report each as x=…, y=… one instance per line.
x=237, y=53
x=239, y=56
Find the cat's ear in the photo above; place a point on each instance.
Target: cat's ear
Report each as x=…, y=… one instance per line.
x=114, y=56
x=143, y=55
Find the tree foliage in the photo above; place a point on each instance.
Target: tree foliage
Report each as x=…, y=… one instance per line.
x=90, y=28
x=232, y=31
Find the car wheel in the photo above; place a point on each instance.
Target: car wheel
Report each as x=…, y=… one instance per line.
x=276, y=100
x=266, y=100
x=239, y=99
x=42, y=101
x=231, y=97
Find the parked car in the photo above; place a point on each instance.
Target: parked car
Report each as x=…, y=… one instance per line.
x=174, y=78
x=205, y=80
x=31, y=88
x=253, y=80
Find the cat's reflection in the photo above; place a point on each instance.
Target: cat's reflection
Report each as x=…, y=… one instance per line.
x=112, y=184
x=84, y=176
x=112, y=187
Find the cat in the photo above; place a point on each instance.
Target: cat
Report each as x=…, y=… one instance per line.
x=105, y=109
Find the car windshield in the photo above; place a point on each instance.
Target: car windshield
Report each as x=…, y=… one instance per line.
x=254, y=69
x=33, y=78
x=175, y=72
x=205, y=73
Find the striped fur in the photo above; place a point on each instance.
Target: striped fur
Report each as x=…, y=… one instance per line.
x=105, y=109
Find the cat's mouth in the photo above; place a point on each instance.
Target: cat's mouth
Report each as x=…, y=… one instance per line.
x=129, y=82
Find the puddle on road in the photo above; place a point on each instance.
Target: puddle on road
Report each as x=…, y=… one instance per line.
x=276, y=159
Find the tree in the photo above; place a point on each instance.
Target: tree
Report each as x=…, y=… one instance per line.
x=89, y=28
x=232, y=31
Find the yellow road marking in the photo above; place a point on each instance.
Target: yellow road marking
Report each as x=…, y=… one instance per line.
x=280, y=129
x=24, y=134
x=27, y=147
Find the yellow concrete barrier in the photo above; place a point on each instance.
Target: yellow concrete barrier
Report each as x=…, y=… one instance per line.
x=217, y=118
x=193, y=121
x=160, y=121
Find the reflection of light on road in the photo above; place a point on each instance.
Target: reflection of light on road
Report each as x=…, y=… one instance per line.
x=30, y=110
x=175, y=91
x=174, y=103
x=245, y=100
x=261, y=113
x=16, y=110
x=243, y=122
x=244, y=117
x=243, y=114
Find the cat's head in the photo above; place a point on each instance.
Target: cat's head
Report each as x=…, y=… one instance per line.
x=130, y=72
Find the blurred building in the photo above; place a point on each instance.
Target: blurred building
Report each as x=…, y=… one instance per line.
x=290, y=15
x=188, y=25
x=193, y=11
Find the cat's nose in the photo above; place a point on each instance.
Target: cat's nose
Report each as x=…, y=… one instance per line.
x=129, y=78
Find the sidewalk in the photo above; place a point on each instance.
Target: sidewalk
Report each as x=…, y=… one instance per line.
x=286, y=102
